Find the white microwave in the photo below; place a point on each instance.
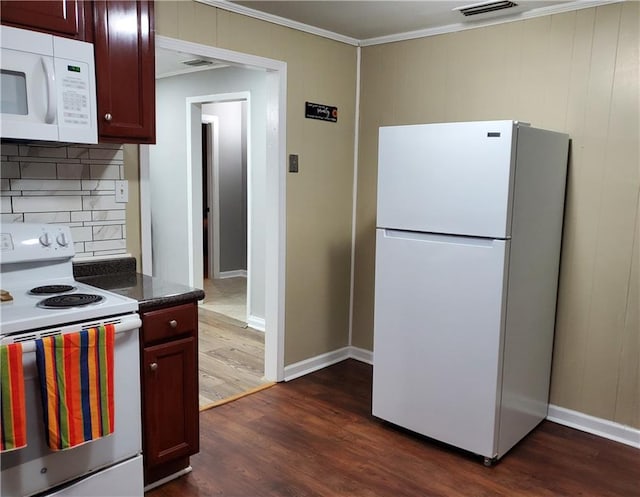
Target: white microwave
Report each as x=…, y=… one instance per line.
x=48, y=87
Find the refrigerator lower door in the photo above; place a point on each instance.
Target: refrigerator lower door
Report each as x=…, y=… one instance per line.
x=439, y=314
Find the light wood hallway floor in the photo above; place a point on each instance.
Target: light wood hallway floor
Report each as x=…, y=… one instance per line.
x=230, y=355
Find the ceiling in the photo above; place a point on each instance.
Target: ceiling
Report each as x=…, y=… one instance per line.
x=366, y=20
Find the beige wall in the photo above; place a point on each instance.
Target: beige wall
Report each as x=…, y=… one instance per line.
x=132, y=175
x=576, y=72
x=319, y=197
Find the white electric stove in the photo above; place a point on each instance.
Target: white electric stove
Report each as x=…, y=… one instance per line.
x=37, y=273
x=40, y=297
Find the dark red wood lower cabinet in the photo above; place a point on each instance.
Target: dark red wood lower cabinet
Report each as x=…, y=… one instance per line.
x=169, y=371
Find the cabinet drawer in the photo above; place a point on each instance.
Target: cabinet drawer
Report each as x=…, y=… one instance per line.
x=169, y=322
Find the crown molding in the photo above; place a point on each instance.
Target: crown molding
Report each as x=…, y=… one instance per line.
x=288, y=23
x=410, y=35
x=452, y=28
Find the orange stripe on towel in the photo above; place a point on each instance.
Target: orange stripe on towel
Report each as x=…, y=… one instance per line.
x=13, y=421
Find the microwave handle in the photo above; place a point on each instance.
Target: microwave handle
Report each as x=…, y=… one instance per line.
x=52, y=102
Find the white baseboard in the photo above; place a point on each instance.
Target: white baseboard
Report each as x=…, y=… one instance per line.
x=598, y=426
x=323, y=360
x=238, y=273
x=361, y=355
x=256, y=323
x=312, y=364
x=574, y=419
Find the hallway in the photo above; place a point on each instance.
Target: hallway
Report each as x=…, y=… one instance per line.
x=226, y=296
x=230, y=355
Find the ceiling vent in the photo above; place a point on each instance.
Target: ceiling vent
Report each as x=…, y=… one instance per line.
x=485, y=7
x=197, y=62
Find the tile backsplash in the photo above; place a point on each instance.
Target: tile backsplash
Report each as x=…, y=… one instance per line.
x=69, y=184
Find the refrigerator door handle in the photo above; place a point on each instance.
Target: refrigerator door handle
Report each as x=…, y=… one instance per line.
x=439, y=238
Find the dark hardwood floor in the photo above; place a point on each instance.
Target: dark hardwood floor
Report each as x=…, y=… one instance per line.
x=315, y=436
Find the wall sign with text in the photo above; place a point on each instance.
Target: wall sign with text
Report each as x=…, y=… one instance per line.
x=321, y=112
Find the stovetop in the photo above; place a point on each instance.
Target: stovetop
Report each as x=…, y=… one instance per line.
x=36, y=256
x=23, y=312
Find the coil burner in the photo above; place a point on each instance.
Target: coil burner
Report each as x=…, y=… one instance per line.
x=51, y=289
x=70, y=300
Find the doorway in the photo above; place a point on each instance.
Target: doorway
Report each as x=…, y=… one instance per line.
x=226, y=207
x=185, y=190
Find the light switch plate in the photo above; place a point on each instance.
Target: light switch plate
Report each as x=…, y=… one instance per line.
x=122, y=191
x=293, y=163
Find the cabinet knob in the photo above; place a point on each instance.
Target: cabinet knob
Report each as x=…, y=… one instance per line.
x=108, y=117
x=173, y=323
x=153, y=366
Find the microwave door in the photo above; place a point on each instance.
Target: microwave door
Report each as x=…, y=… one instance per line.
x=29, y=105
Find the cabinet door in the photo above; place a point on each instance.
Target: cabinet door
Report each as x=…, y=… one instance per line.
x=59, y=17
x=125, y=70
x=170, y=420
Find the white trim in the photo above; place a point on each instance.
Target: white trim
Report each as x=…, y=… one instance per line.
x=238, y=273
x=214, y=200
x=281, y=21
x=452, y=28
x=597, y=426
x=256, y=323
x=276, y=191
x=276, y=225
x=192, y=108
x=249, y=199
x=321, y=361
x=166, y=479
x=361, y=355
x=409, y=35
x=315, y=363
x=354, y=195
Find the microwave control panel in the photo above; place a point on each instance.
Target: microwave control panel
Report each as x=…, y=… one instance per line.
x=74, y=100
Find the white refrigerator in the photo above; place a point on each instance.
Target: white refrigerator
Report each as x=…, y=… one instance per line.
x=469, y=226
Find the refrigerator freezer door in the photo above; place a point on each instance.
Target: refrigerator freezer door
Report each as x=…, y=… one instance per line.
x=453, y=178
x=438, y=322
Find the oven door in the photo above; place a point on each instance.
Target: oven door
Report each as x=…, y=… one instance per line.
x=36, y=468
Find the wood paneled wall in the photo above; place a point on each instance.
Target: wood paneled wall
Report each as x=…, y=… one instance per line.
x=576, y=72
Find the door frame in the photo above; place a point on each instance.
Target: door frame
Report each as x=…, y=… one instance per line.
x=213, y=201
x=275, y=250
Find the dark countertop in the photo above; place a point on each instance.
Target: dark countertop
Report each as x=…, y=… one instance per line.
x=150, y=292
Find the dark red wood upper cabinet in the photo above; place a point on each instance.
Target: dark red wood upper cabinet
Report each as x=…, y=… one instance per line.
x=69, y=18
x=125, y=70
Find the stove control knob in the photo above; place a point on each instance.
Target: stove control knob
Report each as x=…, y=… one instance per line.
x=45, y=240
x=62, y=240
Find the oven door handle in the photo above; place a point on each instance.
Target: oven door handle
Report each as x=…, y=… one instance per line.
x=128, y=323
x=124, y=323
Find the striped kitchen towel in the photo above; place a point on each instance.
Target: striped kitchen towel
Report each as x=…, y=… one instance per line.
x=13, y=425
x=76, y=380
